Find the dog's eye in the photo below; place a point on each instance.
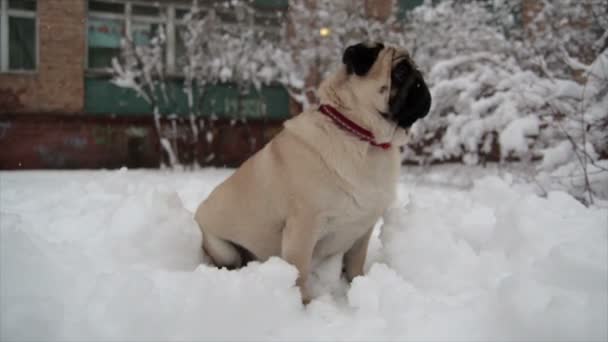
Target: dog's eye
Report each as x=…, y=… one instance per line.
x=383, y=89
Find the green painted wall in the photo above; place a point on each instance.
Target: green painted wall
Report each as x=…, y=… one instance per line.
x=271, y=4
x=407, y=5
x=221, y=100
x=101, y=96
x=224, y=100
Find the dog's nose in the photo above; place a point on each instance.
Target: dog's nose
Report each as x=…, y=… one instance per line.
x=423, y=95
x=412, y=100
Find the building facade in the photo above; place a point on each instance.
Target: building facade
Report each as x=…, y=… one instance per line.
x=59, y=108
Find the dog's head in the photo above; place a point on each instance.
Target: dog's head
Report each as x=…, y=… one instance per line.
x=409, y=98
x=378, y=84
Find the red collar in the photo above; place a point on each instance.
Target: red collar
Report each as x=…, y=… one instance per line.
x=346, y=124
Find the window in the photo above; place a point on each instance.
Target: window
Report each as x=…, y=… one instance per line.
x=18, y=35
x=405, y=6
x=109, y=21
x=408, y=5
x=105, y=29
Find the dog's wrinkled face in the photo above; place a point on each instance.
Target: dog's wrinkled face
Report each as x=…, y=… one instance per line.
x=406, y=97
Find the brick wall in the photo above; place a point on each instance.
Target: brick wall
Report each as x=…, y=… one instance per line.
x=76, y=141
x=58, y=83
x=379, y=9
x=57, y=141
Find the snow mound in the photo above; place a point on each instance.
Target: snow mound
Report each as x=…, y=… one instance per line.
x=502, y=263
x=115, y=256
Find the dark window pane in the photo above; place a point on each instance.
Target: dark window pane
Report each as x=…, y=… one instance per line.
x=22, y=43
x=180, y=48
x=29, y=5
x=408, y=5
x=227, y=16
x=108, y=7
x=102, y=57
x=104, y=38
x=181, y=13
x=264, y=19
x=150, y=11
x=143, y=32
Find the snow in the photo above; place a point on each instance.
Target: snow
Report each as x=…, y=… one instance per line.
x=490, y=84
x=557, y=155
x=515, y=136
x=464, y=254
x=570, y=177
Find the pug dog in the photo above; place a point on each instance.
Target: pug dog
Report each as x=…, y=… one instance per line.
x=320, y=185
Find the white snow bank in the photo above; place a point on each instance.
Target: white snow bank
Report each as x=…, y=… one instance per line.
x=571, y=177
x=494, y=262
x=115, y=256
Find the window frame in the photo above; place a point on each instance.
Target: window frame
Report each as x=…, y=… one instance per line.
x=5, y=14
x=167, y=16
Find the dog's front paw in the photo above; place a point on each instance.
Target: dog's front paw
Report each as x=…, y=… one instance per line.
x=306, y=297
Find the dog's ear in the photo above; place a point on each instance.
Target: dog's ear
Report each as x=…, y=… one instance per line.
x=360, y=58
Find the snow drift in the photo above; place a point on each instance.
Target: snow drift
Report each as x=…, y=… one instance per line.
x=115, y=256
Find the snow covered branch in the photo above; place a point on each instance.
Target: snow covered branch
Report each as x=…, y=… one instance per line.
x=507, y=85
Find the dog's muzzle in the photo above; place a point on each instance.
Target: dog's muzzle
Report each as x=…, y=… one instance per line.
x=412, y=99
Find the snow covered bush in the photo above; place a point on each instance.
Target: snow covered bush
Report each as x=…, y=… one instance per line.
x=141, y=68
x=578, y=161
x=215, y=52
x=243, y=53
x=238, y=53
x=509, y=82
x=565, y=37
x=318, y=33
x=494, y=97
x=507, y=91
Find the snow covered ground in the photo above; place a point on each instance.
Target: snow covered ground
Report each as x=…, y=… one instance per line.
x=464, y=255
